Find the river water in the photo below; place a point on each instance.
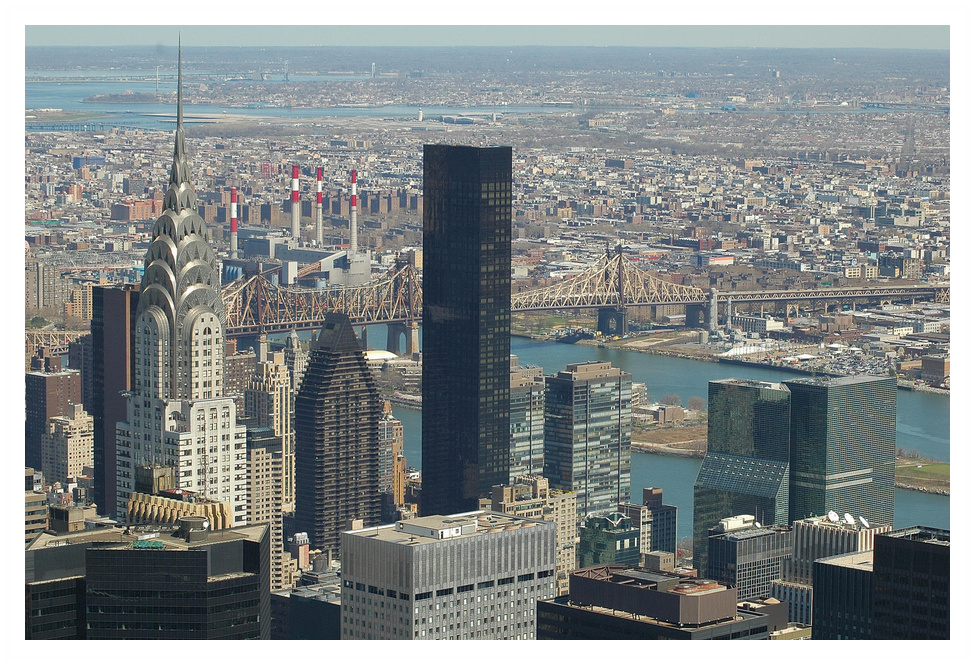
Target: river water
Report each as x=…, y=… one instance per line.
x=922, y=419
x=922, y=423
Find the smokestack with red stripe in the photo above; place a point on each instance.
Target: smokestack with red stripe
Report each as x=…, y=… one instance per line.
x=295, y=205
x=318, y=202
x=353, y=217
x=233, y=222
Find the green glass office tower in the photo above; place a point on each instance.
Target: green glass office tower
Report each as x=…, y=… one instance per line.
x=746, y=469
x=843, y=441
x=466, y=324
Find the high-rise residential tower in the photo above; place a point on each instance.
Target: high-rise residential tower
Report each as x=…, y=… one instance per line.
x=527, y=421
x=49, y=391
x=587, y=434
x=177, y=415
x=466, y=324
x=843, y=441
x=337, y=415
x=746, y=468
x=66, y=446
x=268, y=401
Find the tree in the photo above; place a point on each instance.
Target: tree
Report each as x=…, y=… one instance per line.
x=671, y=399
x=696, y=403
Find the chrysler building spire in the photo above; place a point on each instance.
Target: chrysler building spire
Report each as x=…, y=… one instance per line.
x=180, y=194
x=178, y=415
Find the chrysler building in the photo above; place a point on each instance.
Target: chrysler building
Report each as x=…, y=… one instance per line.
x=177, y=415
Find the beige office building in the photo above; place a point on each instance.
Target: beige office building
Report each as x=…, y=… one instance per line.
x=268, y=400
x=68, y=445
x=530, y=496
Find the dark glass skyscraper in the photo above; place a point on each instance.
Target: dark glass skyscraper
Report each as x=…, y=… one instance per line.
x=746, y=469
x=912, y=584
x=843, y=441
x=337, y=414
x=113, y=371
x=466, y=324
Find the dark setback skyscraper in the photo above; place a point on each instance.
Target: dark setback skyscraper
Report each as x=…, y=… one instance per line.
x=466, y=324
x=337, y=414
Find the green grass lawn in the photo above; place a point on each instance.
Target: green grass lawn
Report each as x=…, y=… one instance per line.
x=932, y=471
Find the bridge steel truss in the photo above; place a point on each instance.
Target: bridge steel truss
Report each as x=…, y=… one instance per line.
x=845, y=295
x=611, y=282
x=55, y=340
x=256, y=305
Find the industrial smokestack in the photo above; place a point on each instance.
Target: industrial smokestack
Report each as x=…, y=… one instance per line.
x=353, y=216
x=318, y=202
x=233, y=223
x=295, y=206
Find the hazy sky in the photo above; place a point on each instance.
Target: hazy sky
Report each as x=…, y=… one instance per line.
x=802, y=36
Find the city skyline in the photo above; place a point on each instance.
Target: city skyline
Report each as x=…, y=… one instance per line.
x=662, y=35
x=603, y=190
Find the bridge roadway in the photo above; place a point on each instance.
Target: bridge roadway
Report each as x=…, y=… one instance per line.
x=255, y=304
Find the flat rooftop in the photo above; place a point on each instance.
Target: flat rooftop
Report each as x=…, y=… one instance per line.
x=856, y=560
x=435, y=528
x=166, y=535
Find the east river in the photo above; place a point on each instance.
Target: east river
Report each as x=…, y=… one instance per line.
x=922, y=419
x=922, y=423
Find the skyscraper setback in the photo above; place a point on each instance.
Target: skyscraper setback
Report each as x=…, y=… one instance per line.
x=177, y=415
x=466, y=324
x=337, y=416
x=746, y=469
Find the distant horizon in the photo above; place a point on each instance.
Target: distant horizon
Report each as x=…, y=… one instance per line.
x=879, y=37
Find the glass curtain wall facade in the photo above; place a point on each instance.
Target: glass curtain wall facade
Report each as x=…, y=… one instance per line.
x=749, y=560
x=843, y=441
x=527, y=421
x=587, y=435
x=746, y=468
x=466, y=324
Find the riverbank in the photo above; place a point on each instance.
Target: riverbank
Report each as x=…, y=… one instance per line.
x=910, y=473
x=672, y=346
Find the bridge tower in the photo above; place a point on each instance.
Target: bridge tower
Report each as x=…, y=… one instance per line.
x=712, y=309
x=611, y=321
x=412, y=332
